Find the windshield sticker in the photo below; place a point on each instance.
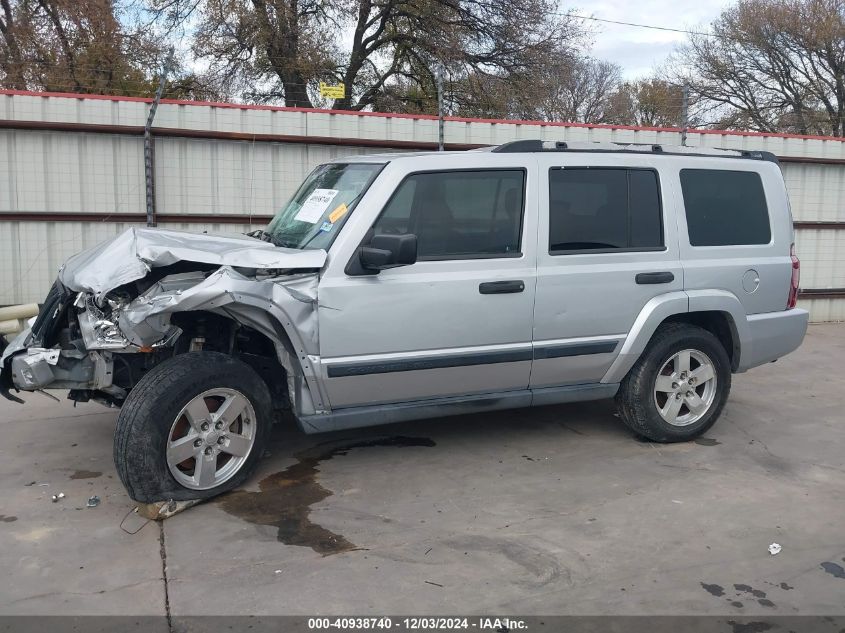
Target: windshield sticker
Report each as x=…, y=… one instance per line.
x=338, y=213
x=326, y=227
x=315, y=205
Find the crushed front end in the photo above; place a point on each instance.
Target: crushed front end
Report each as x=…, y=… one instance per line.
x=71, y=345
x=129, y=304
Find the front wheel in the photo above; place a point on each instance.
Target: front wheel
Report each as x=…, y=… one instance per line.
x=678, y=387
x=193, y=427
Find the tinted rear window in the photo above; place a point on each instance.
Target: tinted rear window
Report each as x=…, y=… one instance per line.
x=603, y=209
x=725, y=208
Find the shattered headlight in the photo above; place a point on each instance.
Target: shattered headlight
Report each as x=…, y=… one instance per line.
x=99, y=329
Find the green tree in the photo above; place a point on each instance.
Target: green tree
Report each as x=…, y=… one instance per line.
x=73, y=46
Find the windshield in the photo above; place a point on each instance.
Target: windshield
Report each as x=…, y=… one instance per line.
x=320, y=206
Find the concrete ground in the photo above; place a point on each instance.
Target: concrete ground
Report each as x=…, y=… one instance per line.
x=549, y=511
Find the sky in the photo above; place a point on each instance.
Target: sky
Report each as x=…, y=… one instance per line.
x=638, y=51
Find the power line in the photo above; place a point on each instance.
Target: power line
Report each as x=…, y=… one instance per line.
x=638, y=25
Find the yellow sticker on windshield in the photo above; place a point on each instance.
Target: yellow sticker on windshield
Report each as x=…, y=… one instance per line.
x=338, y=213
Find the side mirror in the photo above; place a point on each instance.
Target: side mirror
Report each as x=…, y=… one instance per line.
x=388, y=251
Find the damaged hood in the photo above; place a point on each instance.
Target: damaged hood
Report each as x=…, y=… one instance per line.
x=132, y=254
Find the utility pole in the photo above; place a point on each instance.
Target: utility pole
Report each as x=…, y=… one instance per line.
x=149, y=164
x=440, y=107
x=685, y=116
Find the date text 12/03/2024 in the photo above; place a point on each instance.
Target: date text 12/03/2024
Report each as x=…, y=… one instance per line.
x=419, y=623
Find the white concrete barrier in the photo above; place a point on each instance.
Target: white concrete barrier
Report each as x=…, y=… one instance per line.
x=10, y=327
x=19, y=312
x=13, y=318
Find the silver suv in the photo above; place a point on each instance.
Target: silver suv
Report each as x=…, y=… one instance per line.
x=404, y=286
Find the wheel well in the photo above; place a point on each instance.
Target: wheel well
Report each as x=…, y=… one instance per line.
x=720, y=324
x=213, y=332
x=206, y=331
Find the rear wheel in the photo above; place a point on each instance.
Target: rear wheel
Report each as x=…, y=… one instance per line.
x=678, y=387
x=193, y=427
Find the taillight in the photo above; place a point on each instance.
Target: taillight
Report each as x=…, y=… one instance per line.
x=796, y=277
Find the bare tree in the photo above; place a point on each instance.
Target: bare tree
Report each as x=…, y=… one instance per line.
x=562, y=87
x=265, y=50
x=270, y=50
x=649, y=102
x=771, y=65
x=577, y=91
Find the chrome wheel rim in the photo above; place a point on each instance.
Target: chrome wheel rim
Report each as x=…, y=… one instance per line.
x=211, y=438
x=685, y=387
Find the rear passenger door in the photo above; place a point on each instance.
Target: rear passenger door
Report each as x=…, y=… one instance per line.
x=607, y=244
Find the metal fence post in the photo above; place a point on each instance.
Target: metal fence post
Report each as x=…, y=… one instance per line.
x=149, y=149
x=440, y=108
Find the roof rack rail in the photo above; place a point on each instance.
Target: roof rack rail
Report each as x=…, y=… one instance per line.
x=514, y=147
x=537, y=145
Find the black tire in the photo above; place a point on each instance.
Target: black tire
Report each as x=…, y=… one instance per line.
x=635, y=399
x=145, y=421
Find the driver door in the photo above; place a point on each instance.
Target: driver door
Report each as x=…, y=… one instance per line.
x=459, y=320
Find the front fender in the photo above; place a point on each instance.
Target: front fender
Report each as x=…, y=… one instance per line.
x=282, y=308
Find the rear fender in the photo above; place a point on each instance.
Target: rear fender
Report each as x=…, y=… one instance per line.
x=664, y=306
x=727, y=302
x=657, y=310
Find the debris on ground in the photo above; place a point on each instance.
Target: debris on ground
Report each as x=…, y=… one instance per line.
x=93, y=501
x=774, y=548
x=56, y=497
x=133, y=512
x=47, y=393
x=159, y=510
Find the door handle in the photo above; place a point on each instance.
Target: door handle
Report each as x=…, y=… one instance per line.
x=655, y=278
x=501, y=287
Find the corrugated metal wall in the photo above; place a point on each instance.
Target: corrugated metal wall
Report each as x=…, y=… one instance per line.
x=63, y=158
x=195, y=176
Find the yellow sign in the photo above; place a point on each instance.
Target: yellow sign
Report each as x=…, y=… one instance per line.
x=338, y=213
x=332, y=92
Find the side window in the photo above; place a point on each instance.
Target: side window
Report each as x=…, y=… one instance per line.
x=603, y=209
x=396, y=217
x=458, y=214
x=725, y=208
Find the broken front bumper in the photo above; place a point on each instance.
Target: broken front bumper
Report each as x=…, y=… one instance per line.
x=6, y=385
x=33, y=368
